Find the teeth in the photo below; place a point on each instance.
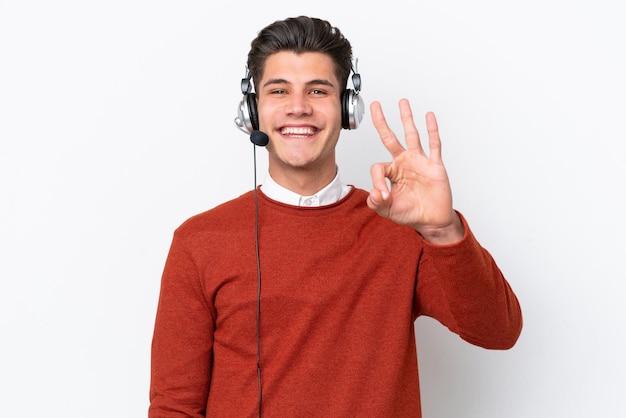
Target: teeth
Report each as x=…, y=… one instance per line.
x=297, y=131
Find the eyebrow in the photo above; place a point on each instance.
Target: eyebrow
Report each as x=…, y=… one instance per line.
x=309, y=83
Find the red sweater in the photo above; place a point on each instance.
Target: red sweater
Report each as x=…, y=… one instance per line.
x=341, y=288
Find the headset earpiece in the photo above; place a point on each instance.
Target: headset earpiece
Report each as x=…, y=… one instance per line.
x=352, y=106
x=247, y=119
x=254, y=117
x=352, y=109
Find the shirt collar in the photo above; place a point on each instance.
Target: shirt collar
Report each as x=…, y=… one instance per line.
x=330, y=194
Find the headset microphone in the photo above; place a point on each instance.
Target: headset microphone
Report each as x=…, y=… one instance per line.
x=259, y=138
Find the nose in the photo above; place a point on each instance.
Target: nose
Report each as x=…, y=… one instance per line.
x=299, y=104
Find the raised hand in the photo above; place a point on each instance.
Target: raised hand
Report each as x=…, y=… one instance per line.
x=420, y=194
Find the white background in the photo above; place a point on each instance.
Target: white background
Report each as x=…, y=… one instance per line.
x=116, y=124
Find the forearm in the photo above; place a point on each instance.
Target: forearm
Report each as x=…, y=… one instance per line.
x=461, y=286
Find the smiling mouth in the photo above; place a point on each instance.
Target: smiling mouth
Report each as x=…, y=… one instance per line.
x=298, y=132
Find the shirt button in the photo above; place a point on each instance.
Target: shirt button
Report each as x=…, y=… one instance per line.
x=308, y=201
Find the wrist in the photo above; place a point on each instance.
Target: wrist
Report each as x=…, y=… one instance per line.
x=443, y=235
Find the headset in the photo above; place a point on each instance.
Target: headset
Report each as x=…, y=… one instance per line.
x=352, y=106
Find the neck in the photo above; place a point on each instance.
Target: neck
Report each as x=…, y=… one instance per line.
x=303, y=181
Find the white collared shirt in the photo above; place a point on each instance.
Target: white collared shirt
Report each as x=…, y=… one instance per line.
x=330, y=194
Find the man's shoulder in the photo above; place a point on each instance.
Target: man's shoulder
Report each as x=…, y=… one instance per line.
x=229, y=213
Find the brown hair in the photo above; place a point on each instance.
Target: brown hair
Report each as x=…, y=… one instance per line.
x=301, y=34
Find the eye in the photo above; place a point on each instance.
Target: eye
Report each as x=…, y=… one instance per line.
x=278, y=92
x=318, y=92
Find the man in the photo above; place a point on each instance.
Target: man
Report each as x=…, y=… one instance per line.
x=299, y=298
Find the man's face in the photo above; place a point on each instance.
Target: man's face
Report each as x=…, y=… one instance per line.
x=299, y=107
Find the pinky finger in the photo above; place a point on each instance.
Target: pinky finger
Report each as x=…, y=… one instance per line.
x=434, y=141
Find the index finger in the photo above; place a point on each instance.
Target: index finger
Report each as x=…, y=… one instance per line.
x=389, y=139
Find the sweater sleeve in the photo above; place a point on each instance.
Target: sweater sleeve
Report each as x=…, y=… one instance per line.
x=182, y=341
x=461, y=286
